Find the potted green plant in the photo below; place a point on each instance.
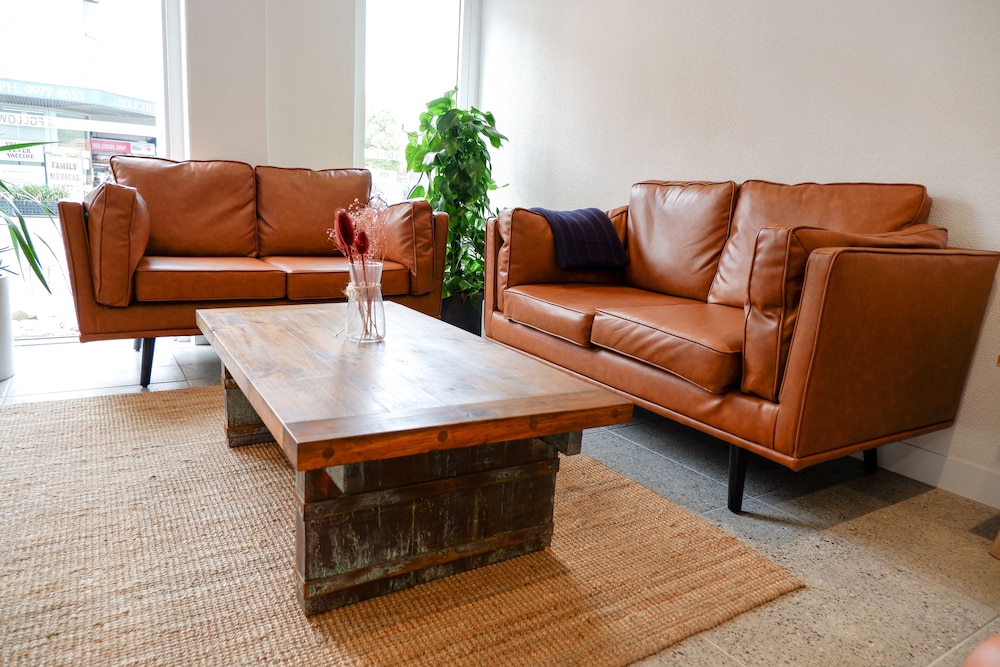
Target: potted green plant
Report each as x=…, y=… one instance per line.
x=22, y=245
x=451, y=146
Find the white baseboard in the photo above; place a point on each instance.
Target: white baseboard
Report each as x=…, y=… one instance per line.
x=929, y=467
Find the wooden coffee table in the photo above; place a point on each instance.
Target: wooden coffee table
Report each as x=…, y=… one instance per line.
x=427, y=454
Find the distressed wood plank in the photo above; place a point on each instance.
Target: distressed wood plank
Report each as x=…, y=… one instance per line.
x=409, y=493
x=467, y=507
x=243, y=424
x=567, y=443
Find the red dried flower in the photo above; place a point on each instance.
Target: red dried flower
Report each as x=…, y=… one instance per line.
x=359, y=231
x=361, y=243
x=345, y=231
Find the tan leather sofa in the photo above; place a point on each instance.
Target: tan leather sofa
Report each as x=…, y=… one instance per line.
x=167, y=238
x=798, y=322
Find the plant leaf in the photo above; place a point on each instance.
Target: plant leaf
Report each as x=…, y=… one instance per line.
x=452, y=147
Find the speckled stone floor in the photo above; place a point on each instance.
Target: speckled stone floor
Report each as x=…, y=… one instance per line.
x=896, y=572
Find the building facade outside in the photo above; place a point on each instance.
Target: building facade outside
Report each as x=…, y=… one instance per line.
x=86, y=127
x=87, y=76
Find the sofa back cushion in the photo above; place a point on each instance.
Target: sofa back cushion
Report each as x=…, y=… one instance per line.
x=676, y=232
x=196, y=208
x=295, y=207
x=527, y=255
x=859, y=208
x=118, y=231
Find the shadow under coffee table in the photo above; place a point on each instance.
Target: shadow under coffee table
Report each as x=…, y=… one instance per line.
x=429, y=453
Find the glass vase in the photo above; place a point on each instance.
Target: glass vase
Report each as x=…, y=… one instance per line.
x=365, y=310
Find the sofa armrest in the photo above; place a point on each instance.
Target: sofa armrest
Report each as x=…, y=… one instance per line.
x=117, y=222
x=776, y=277
x=883, y=343
x=415, y=237
x=74, y=234
x=619, y=218
x=520, y=250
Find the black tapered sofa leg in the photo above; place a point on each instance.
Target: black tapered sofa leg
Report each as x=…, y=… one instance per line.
x=738, y=458
x=147, y=361
x=871, y=460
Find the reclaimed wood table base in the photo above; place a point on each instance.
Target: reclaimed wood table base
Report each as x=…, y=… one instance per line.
x=366, y=529
x=431, y=453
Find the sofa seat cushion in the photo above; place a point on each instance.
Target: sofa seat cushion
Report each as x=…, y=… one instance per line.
x=567, y=310
x=295, y=207
x=310, y=278
x=207, y=279
x=197, y=208
x=699, y=342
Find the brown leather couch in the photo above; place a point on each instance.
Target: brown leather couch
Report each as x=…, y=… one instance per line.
x=167, y=238
x=798, y=322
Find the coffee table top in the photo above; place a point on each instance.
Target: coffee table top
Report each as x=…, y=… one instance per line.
x=428, y=386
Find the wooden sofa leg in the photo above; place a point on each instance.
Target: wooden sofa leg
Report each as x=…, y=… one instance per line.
x=738, y=458
x=871, y=460
x=147, y=360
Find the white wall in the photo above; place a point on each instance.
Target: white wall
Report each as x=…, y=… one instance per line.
x=227, y=108
x=271, y=81
x=596, y=95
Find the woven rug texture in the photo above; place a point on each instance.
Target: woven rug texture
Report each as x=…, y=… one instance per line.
x=130, y=534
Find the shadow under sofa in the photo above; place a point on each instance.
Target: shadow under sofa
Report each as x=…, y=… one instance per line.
x=798, y=322
x=167, y=238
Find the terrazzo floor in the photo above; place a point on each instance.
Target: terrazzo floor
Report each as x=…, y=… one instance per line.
x=896, y=572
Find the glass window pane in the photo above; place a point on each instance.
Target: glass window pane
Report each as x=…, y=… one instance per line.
x=86, y=75
x=411, y=58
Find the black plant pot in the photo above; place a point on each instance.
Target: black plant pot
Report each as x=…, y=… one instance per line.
x=464, y=311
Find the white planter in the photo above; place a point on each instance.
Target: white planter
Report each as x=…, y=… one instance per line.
x=6, y=330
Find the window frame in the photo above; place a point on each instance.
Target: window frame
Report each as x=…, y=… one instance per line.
x=175, y=116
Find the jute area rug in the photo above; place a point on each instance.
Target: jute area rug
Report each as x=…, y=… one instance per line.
x=131, y=534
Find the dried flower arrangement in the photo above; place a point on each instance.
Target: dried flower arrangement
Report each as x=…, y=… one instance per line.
x=359, y=233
